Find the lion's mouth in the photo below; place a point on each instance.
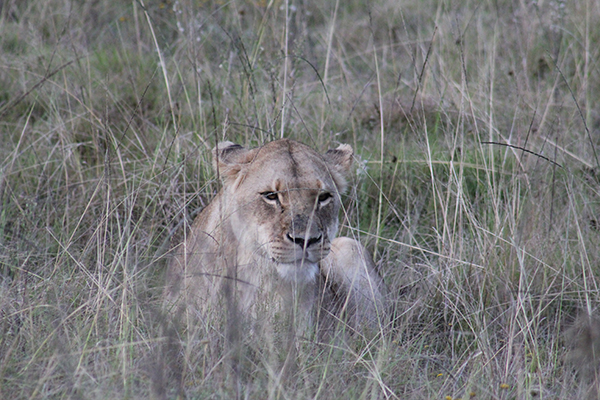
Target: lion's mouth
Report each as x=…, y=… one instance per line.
x=297, y=260
x=297, y=255
x=299, y=249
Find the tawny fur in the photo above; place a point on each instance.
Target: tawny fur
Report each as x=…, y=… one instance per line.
x=267, y=241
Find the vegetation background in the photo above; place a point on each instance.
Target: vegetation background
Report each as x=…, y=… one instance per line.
x=476, y=127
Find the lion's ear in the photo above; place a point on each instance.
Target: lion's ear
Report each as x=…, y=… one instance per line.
x=340, y=161
x=229, y=158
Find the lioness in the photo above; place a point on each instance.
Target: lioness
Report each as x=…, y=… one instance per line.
x=266, y=243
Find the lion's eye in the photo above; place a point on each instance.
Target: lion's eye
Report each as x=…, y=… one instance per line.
x=270, y=196
x=324, y=198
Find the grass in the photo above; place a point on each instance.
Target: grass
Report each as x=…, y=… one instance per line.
x=475, y=127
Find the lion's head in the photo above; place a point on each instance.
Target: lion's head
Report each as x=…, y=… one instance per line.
x=282, y=201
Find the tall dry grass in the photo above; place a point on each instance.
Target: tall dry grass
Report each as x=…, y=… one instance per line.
x=475, y=126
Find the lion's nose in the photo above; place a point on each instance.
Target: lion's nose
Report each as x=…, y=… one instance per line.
x=302, y=242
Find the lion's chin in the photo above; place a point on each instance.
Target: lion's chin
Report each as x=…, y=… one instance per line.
x=299, y=272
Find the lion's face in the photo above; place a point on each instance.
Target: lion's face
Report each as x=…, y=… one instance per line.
x=284, y=200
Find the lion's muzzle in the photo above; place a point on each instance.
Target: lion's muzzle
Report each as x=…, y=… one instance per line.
x=303, y=242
